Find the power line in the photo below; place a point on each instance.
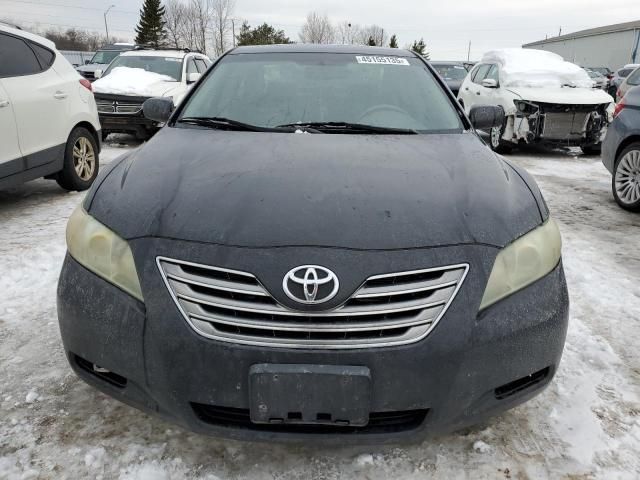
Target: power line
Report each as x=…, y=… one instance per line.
x=32, y=22
x=18, y=14
x=67, y=6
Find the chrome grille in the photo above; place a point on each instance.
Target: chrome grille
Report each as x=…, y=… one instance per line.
x=233, y=306
x=105, y=106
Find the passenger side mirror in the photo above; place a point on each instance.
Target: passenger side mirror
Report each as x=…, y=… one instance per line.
x=158, y=109
x=193, y=77
x=97, y=74
x=489, y=83
x=485, y=117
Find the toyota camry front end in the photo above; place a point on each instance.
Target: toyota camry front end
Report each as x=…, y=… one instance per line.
x=316, y=245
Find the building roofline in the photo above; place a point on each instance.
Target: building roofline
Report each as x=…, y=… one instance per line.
x=615, y=28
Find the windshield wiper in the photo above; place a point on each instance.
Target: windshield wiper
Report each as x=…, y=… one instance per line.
x=347, y=127
x=224, y=123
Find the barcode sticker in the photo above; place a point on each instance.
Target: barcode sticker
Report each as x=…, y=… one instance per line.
x=382, y=60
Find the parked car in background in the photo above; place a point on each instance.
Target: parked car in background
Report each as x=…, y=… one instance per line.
x=140, y=74
x=102, y=58
x=619, y=77
x=453, y=73
x=599, y=80
x=545, y=100
x=246, y=280
x=621, y=151
x=48, y=119
x=632, y=80
x=605, y=71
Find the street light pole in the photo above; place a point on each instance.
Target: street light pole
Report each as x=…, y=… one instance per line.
x=106, y=28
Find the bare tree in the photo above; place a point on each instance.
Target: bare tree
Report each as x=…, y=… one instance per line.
x=199, y=18
x=347, y=33
x=175, y=17
x=317, y=29
x=372, y=32
x=222, y=13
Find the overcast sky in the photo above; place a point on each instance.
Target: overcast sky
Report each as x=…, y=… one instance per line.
x=447, y=27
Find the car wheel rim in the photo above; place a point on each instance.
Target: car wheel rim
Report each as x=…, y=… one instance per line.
x=627, y=179
x=84, y=158
x=495, y=137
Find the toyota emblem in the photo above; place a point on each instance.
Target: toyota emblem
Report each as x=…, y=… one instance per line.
x=310, y=284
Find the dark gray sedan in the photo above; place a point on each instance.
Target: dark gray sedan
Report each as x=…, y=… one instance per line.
x=621, y=151
x=318, y=245
x=453, y=73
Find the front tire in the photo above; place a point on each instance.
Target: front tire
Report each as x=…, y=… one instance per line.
x=81, y=162
x=625, y=183
x=496, y=141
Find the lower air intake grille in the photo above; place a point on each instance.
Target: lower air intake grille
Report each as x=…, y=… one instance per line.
x=389, y=309
x=380, y=422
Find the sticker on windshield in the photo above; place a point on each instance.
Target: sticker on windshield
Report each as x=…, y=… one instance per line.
x=382, y=60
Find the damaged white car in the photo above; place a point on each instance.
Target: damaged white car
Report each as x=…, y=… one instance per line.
x=138, y=75
x=545, y=100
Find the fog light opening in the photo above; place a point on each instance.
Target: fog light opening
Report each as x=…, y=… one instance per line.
x=100, y=372
x=512, y=388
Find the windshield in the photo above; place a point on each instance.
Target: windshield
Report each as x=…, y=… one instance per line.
x=169, y=66
x=273, y=89
x=451, y=72
x=104, y=57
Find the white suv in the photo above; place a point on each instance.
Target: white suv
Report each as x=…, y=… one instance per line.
x=49, y=123
x=137, y=75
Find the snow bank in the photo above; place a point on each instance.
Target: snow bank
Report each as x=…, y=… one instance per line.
x=536, y=68
x=130, y=81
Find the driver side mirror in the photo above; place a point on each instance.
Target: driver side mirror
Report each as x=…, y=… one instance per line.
x=97, y=74
x=193, y=77
x=485, y=117
x=87, y=62
x=489, y=83
x=158, y=109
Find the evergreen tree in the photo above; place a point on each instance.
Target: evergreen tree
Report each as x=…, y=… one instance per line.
x=393, y=43
x=265, y=34
x=420, y=48
x=150, y=29
x=372, y=42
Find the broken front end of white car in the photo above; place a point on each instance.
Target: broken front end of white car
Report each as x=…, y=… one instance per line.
x=559, y=124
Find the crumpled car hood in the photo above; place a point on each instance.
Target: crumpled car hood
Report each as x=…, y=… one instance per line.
x=564, y=95
x=281, y=189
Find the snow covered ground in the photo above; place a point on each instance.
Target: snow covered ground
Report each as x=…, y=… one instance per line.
x=585, y=425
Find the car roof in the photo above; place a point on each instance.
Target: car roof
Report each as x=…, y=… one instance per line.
x=29, y=36
x=117, y=47
x=155, y=53
x=315, y=48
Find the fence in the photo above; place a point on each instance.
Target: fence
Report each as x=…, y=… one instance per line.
x=76, y=57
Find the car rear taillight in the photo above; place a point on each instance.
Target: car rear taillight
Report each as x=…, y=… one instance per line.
x=86, y=84
x=619, y=107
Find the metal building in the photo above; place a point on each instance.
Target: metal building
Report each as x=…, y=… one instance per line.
x=612, y=46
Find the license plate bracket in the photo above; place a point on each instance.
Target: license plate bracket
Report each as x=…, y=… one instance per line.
x=309, y=394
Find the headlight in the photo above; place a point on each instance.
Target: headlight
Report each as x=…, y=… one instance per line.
x=103, y=252
x=526, y=260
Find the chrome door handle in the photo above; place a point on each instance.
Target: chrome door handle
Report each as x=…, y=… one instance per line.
x=4, y=103
x=60, y=95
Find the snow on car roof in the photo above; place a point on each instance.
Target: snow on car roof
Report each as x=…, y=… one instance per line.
x=536, y=68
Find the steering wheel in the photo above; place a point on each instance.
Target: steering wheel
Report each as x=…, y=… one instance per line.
x=384, y=107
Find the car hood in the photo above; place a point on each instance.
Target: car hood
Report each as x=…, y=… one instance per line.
x=563, y=95
x=351, y=191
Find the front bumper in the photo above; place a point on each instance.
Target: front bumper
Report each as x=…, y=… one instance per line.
x=453, y=378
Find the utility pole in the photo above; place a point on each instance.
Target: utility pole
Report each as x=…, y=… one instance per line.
x=106, y=28
x=469, y=52
x=233, y=31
